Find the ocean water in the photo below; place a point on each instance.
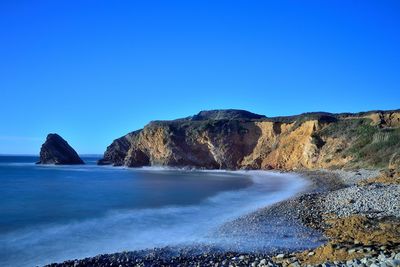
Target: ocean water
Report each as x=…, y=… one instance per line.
x=54, y=213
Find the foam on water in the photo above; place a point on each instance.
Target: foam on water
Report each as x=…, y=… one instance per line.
x=135, y=229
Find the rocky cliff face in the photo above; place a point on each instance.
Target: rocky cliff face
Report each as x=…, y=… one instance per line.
x=57, y=151
x=235, y=139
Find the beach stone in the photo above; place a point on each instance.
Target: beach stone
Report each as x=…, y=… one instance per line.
x=392, y=263
x=351, y=251
x=381, y=257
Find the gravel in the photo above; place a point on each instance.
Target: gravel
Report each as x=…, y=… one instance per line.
x=168, y=257
x=375, y=256
x=374, y=201
x=354, y=177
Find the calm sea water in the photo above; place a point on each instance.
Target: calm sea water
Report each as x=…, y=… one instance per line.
x=54, y=213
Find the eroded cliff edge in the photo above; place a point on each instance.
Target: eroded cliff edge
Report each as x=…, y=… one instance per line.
x=237, y=139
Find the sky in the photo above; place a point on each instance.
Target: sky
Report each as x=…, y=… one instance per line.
x=93, y=71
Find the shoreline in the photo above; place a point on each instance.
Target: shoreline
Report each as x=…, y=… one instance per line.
x=300, y=210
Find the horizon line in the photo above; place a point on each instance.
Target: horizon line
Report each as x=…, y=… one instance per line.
x=37, y=155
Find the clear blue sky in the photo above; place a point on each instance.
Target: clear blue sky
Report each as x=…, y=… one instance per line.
x=95, y=70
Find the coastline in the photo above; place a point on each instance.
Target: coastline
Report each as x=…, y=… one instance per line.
x=302, y=210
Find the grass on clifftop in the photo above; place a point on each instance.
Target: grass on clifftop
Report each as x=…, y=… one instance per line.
x=369, y=145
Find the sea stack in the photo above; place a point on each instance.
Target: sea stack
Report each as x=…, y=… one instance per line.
x=57, y=151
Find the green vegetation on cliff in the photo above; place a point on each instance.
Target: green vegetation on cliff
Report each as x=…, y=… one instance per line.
x=370, y=145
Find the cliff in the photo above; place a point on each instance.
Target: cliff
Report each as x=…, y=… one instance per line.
x=235, y=139
x=55, y=150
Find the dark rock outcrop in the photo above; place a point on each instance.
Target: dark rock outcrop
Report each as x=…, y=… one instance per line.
x=57, y=151
x=226, y=114
x=116, y=152
x=237, y=139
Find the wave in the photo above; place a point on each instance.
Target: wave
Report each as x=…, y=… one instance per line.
x=18, y=164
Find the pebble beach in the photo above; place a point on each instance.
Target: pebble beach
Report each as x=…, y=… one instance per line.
x=336, y=194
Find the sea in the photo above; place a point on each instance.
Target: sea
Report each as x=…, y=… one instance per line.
x=52, y=213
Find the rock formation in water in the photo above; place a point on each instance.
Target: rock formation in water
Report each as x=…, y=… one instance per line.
x=236, y=139
x=57, y=151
